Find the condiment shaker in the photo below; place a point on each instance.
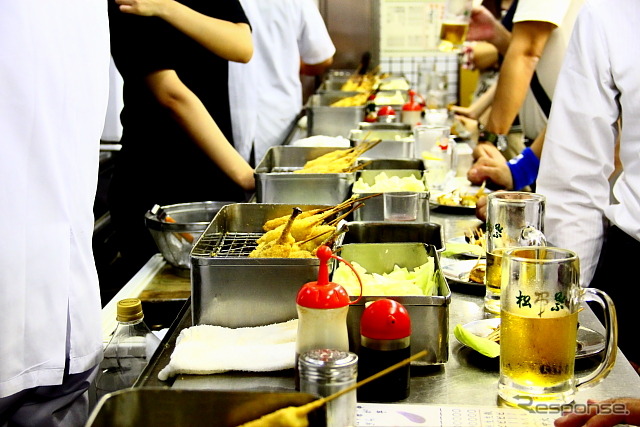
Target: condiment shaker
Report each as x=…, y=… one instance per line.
x=324, y=372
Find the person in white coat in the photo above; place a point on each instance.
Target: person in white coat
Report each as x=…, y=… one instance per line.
x=596, y=113
x=265, y=95
x=54, y=86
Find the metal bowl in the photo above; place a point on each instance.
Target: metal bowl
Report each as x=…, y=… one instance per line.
x=175, y=228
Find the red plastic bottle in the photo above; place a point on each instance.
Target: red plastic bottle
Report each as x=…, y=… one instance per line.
x=322, y=311
x=412, y=110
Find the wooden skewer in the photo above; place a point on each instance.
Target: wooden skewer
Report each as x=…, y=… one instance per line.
x=301, y=411
x=371, y=378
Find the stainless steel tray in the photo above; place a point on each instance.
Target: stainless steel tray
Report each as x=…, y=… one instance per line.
x=322, y=119
x=159, y=407
x=429, y=314
x=396, y=140
x=230, y=289
x=384, y=164
x=394, y=232
x=373, y=209
x=275, y=182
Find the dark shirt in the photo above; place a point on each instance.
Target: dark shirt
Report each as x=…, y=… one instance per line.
x=159, y=163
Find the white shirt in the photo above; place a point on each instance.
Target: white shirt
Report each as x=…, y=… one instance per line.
x=597, y=84
x=54, y=65
x=266, y=94
x=561, y=13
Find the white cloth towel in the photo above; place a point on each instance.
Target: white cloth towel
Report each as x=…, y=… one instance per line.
x=206, y=349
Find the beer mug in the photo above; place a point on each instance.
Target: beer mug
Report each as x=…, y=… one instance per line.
x=455, y=24
x=514, y=218
x=541, y=298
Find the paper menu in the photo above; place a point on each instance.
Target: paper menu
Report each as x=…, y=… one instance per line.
x=375, y=414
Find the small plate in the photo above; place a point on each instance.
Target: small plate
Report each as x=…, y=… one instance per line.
x=459, y=209
x=462, y=210
x=458, y=271
x=590, y=342
x=460, y=240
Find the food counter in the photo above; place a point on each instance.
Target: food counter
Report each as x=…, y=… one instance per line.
x=467, y=380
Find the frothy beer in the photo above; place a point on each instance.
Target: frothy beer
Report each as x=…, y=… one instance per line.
x=454, y=32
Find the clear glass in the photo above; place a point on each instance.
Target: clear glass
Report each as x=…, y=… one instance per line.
x=428, y=138
x=400, y=205
x=125, y=357
x=538, y=327
x=509, y=215
x=455, y=24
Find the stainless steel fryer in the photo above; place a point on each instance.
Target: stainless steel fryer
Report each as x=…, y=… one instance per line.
x=230, y=289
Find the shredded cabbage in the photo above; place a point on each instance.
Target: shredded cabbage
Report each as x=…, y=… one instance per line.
x=399, y=282
x=383, y=183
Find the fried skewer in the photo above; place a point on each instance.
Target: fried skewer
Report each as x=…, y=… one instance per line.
x=280, y=247
x=337, y=161
x=296, y=416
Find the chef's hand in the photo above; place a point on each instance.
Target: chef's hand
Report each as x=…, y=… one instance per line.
x=490, y=165
x=143, y=7
x=615, y=415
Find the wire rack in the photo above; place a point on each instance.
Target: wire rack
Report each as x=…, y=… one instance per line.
x=227, y=245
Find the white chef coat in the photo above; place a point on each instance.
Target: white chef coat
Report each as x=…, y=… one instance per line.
x=54, y=65
x=597, y=84
x=561, y=13
x=266, y=94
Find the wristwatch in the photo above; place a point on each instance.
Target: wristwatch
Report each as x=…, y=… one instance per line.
x=499, y=140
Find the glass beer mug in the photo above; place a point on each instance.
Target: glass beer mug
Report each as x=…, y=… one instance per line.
x=540, y=303
x=514, y=218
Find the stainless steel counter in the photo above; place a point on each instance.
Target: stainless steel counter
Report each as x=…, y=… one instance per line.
x=468, y=378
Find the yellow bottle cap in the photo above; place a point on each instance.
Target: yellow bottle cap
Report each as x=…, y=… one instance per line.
x=129, y=309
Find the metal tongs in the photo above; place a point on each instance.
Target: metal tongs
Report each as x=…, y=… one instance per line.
x=162, y=216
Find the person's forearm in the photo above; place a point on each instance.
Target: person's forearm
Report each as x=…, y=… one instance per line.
x=511, y=91
x=189, y=112
x=315, y=69
x=501, y=39
x=483, y=102
x=537, y=144
x=526, y=47
x=204, y=131
x=226, y=39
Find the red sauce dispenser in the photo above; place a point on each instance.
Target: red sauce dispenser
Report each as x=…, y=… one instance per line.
x=322, y=311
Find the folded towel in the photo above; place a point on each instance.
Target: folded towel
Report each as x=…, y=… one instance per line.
x=206, y=349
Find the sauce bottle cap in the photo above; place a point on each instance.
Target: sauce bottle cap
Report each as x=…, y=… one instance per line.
x=412, y=105
x=323, y=293
x=385, y=319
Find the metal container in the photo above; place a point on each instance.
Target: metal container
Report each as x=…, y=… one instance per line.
x=429, y=314
x=373, y=209
x=335, y=80
x=384, y=164
x=275, y=182
x=230, y=289
x=394, y=232
x=160, y=407
x=324, y=372
x=331, y=121
x=175, y=239
x=396, y=140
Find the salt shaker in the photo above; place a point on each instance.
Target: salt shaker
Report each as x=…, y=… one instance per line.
x=324, y=372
